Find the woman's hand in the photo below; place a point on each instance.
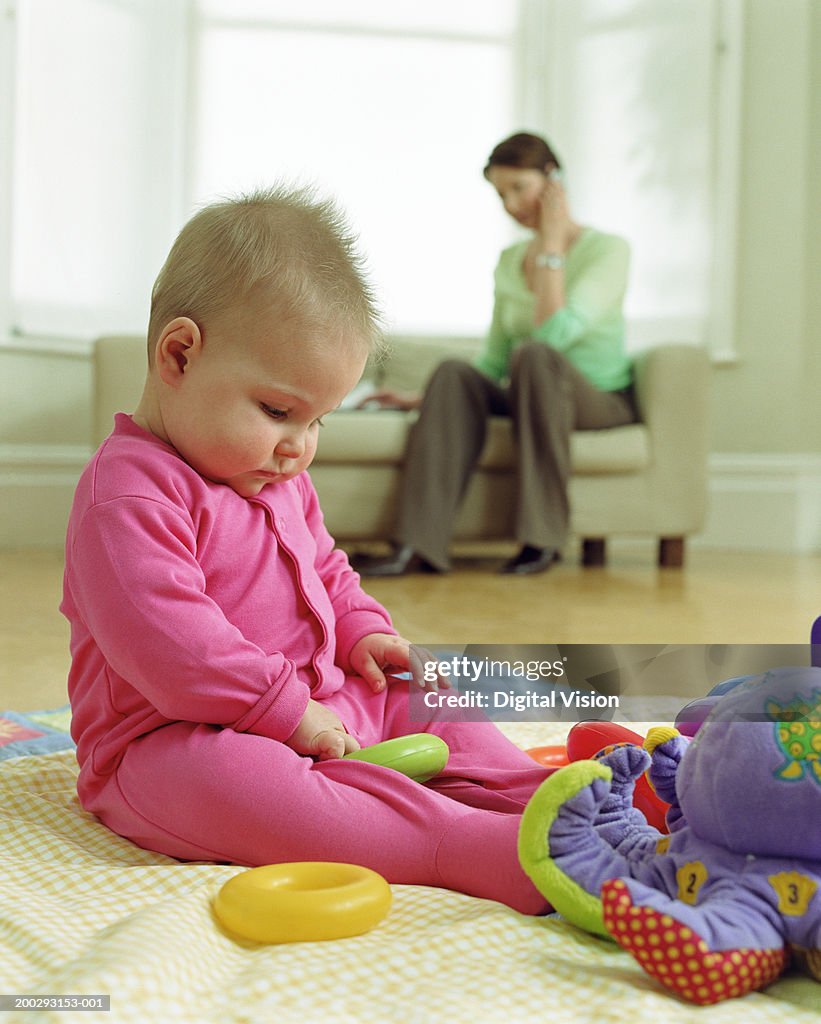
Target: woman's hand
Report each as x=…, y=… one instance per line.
x=554, y=216
x=390, y=400
x=321, y=734
x=379, y=655
x=554, y=236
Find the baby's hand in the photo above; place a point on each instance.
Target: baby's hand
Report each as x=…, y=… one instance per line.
x=321, y=734
x=378, y=655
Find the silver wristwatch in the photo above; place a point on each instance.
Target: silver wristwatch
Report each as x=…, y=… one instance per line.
x=550, y=260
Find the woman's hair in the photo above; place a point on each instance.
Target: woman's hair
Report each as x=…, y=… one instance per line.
x=522, y=150
x=282, y=239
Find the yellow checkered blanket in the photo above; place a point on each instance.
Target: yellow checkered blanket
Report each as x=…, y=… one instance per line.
x=83, y=911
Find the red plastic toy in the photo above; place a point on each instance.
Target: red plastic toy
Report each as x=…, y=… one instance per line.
x=550, y=757
x=587, y=739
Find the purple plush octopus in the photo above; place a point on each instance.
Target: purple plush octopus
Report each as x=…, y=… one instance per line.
x=716, y=908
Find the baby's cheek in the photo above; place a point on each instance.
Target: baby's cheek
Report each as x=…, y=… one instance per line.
x=308, y=456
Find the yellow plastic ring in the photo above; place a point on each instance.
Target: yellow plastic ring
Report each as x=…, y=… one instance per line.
x=303, y=901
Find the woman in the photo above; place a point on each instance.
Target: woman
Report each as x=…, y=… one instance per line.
x=553, y=361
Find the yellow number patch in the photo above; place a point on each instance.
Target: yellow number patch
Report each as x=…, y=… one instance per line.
x=690, y=878
x=794, y=892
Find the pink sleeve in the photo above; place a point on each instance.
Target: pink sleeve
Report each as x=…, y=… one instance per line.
x=357, y=614
x=137, y=584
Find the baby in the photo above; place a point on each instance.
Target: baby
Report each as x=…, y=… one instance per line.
x=224, y=655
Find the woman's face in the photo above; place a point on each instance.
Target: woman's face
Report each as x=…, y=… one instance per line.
x=520, y=189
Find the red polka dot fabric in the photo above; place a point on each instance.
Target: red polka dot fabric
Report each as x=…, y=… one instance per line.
x=679, y=958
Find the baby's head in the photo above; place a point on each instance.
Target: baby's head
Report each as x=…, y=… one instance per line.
x=280, y=241
x=261, y=322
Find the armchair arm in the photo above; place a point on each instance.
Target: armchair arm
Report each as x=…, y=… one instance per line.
x=672, y=385
x=119, y=369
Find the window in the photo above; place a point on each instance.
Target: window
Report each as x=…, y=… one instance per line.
x=91, y=165
x=392, y=108
x=129, y=114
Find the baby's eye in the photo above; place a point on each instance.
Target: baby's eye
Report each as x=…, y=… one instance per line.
x=318, y=421
x=275, y=414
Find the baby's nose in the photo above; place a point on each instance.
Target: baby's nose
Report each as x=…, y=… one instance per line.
x=292, y=446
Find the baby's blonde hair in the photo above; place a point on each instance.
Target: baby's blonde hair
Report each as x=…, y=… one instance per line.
x=282, y=237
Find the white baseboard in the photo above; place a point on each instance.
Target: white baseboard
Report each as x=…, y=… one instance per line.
x=37, y=483
x=764, y=502
x=756, y=502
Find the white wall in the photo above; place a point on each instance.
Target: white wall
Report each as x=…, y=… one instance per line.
x=766, y=432
x=766, y=429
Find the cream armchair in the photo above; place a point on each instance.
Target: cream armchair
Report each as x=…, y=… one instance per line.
x=648, y=478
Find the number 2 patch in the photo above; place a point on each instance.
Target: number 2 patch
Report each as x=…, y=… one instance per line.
x=690, y=878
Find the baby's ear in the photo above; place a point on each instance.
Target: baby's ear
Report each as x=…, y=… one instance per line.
x=179, y=343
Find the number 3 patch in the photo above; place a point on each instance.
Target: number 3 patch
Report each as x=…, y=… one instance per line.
x=794, y=892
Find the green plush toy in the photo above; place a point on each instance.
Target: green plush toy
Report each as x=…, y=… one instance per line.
x=567, y=897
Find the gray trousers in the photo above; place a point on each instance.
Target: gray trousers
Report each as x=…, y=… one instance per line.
x=547, y=399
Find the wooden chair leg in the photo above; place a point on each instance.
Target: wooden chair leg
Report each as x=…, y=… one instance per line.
x=594, y=551
x=671, y=552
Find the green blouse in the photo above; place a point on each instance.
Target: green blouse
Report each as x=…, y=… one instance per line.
x=589, y=329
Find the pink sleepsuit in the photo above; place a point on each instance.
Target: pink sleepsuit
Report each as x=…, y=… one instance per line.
x=201, y=622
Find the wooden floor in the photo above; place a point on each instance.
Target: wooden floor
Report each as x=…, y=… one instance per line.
x=718, y=598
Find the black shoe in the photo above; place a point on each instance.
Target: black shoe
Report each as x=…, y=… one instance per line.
x=530, y=560
x=403, y=560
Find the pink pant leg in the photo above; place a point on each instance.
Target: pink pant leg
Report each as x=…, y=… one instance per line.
x=197, y=792
x=485, y=769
